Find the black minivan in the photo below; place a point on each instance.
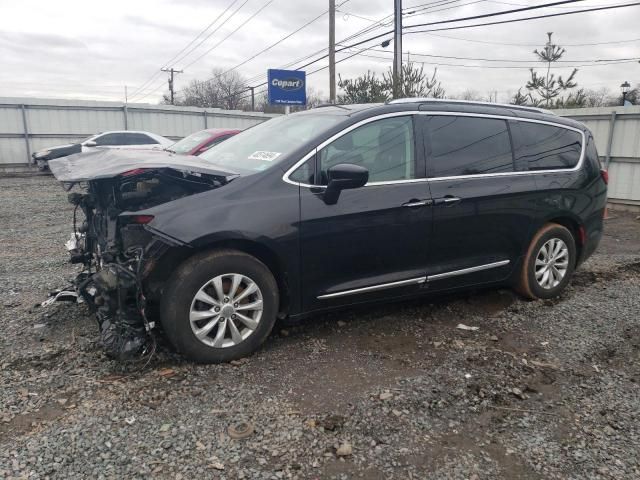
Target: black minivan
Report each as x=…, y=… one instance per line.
x=331, y=207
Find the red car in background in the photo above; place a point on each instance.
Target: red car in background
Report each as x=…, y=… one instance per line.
x=201, y=141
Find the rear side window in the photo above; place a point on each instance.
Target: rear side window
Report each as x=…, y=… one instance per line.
x=546, y=147
x=109, y=139
x=138, y=139
x=592, y=152
x=468, y=146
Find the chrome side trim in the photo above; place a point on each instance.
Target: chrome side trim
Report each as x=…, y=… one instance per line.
x=286, y=178
x=464, y=271
x=373, y=288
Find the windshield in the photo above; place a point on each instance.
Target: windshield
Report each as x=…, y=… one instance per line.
x=189, y=143
x=266, y=144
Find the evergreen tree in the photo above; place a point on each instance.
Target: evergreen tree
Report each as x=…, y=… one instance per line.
x=544, y=89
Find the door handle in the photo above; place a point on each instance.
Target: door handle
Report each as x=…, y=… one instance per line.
x=418, y=203
x=446, y=201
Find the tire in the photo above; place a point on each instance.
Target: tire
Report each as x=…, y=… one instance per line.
x=532, y=282
x=203, y=275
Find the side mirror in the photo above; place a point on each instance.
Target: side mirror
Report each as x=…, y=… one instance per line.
x=90, y=143
x=342, y=177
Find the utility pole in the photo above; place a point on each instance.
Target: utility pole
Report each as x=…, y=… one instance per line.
x=397, y=48
x=253, y=99
x=332, y=51
x=171, y=72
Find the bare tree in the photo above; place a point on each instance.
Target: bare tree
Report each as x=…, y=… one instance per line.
x=602, y=97
x=224, y=90
x=314, y=98
x=470, y=95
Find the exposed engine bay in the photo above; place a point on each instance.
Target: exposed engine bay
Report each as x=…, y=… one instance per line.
x=118, y=252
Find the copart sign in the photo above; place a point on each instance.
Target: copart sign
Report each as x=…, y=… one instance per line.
x=287, y=87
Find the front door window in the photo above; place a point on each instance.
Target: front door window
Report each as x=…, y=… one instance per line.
x=384, y=147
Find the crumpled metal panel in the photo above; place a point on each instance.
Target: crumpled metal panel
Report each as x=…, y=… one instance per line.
x=109, y=163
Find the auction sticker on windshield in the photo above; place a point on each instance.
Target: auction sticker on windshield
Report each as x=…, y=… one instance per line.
x=264, y=156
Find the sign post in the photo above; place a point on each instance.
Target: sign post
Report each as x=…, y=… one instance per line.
x=286, y=87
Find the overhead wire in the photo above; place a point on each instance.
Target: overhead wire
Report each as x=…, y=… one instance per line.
x=159, y=71
x=376, y=37
x=595, y=63
x=487, y=42
x=537, y=17
x=279, y=41
x=217, y=44
x=506, y=59
x=256, y=13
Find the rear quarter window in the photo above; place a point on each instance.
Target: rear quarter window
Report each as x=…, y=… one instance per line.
x=546, y=147
x=461, y=145
x=139, y=139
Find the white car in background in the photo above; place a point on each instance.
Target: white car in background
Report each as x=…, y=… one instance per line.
x=129, y=139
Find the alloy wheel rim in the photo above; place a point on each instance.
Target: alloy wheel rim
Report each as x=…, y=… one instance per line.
x=226, y=310
x=552, y=263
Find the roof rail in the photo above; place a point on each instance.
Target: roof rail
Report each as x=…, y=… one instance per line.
x=471, y=102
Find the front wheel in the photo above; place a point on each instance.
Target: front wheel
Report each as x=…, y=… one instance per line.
x=219, y=306
x=548, y=264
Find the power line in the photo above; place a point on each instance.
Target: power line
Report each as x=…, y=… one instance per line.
x=376, y=37
x=527, y=18
x=269, y=2
x=506, y=59
x=443, y=9
x=185, y=47
x=289, y=35
x=595, y=63
x=525, y=5
x=210, y=34
x=532, y=44
x=195, y=47
x=465, y=26
x=307, y=74
x=494, y=14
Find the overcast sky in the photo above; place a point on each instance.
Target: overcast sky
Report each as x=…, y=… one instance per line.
x=90, y=50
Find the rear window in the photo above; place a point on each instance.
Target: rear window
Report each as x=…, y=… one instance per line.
x=468, y=146
x=546, y=147
x=189, y=143
x=138, y=139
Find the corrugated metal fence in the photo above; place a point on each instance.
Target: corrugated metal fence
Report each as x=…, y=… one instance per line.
x=617, y=134
x=28, y=124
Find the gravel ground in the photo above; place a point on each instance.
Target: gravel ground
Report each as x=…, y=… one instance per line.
x=543, y=390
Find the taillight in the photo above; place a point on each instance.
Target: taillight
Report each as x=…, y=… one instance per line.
x=141, y=219
x=605, y=176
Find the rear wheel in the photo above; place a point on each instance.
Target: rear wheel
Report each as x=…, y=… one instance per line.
x=549, y=263
x=219, y=306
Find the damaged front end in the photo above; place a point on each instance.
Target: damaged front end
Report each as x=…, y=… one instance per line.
x=114, y=244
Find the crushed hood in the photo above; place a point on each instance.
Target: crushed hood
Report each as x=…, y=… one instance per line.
x=100, y=164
